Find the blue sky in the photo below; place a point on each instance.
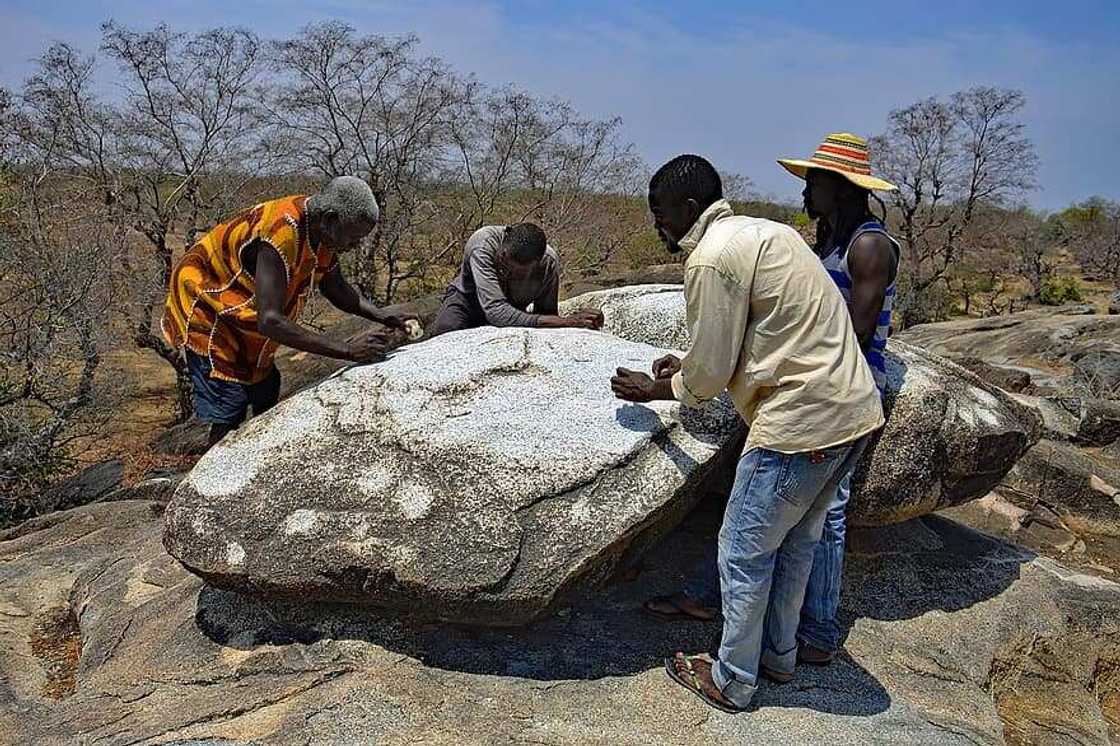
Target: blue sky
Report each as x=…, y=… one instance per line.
x=742, y=83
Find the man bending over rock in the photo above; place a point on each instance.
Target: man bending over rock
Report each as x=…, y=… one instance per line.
x=769, y=326
x=237, y=294
x=504, y=270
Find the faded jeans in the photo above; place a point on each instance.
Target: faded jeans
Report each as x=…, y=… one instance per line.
x=819, y=627
x=772, y=523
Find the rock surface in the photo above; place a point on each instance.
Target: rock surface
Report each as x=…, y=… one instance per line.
x=1099, y=423
x=473, y=478
x=951, y=637
x=89, y=485
x=950, y=437
x=1098, y=369
x=1045, y=336
x=1059, y=475
x=1013, y=380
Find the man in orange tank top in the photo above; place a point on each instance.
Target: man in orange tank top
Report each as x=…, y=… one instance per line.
x=237, y=294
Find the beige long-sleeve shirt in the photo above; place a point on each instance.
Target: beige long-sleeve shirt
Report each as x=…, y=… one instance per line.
x=770, y=327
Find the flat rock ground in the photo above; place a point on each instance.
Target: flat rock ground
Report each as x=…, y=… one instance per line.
x=951, y=637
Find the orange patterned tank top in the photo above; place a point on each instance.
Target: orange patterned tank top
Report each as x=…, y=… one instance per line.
x=211, y=305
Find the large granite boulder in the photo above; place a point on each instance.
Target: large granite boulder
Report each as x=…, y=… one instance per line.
x=472, y=477
x=950, y=437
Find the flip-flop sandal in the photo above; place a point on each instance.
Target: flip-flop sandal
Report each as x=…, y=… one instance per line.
x=692, y=684
x=671, y=616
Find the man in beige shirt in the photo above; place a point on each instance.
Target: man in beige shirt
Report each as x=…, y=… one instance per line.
x=769, y=326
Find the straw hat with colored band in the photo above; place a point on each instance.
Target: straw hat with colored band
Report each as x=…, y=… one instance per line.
x=845, y=154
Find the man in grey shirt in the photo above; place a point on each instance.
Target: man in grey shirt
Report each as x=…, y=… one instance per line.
x=504, y=270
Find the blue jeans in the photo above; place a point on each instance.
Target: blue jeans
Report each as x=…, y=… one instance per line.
x=771, y=526
x=225, y=402
x=819, y=627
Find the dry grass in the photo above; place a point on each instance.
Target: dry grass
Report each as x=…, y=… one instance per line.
x=57, y=642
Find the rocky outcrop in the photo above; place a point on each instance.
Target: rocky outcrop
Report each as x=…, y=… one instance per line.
x=1014, y=380
x=949, y=438
x=1060, y=475
x=1044, y=337
x=472, y=477
x=951, y=637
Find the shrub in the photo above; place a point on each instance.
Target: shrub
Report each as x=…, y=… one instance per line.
x=1058, y=290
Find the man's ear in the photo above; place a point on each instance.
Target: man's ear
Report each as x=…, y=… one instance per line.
x=693, y=210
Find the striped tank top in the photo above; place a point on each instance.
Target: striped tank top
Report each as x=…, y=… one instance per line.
x=837, y=265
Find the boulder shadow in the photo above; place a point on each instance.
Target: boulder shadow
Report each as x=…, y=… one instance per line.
x=704, y=424
x=926, y=564
x=590, y=634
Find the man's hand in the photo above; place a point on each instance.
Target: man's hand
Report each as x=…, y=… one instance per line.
x=631, y=385
x=666, y=367
x=586, y=319
x=367, y=346
x=396, y=320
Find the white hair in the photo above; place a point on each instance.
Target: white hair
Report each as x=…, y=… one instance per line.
x=348, y=197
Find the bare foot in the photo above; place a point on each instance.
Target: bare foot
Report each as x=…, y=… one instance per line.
x=679, y=605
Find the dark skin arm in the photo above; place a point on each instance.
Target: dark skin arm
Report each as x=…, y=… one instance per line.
x=638, y=387
x=345, y=297
x=873, y=265
x=630, y=385
x=548, y=316
x=272, y=285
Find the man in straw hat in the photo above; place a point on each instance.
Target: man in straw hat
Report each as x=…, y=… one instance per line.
x=862, y=258
x=769, y=327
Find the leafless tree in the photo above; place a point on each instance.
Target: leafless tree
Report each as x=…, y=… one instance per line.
x=950, y=158
x=524, y=158
x=57, y=247
x=343, y=103
x=738, y=187
x=187, y=132
x=1092, y=232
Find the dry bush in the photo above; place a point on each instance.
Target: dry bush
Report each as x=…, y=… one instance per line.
x=951, y=159
x=1091, y=230
x=55, y=317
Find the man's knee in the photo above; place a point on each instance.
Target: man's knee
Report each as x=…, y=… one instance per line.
x=835, y=526
x=457, y=314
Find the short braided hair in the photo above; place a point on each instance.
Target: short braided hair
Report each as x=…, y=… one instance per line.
x=688, y=177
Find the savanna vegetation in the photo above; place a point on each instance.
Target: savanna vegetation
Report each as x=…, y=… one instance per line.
x=113, y=160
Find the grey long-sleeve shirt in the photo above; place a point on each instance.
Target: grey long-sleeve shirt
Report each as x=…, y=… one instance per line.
x=504, y=300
